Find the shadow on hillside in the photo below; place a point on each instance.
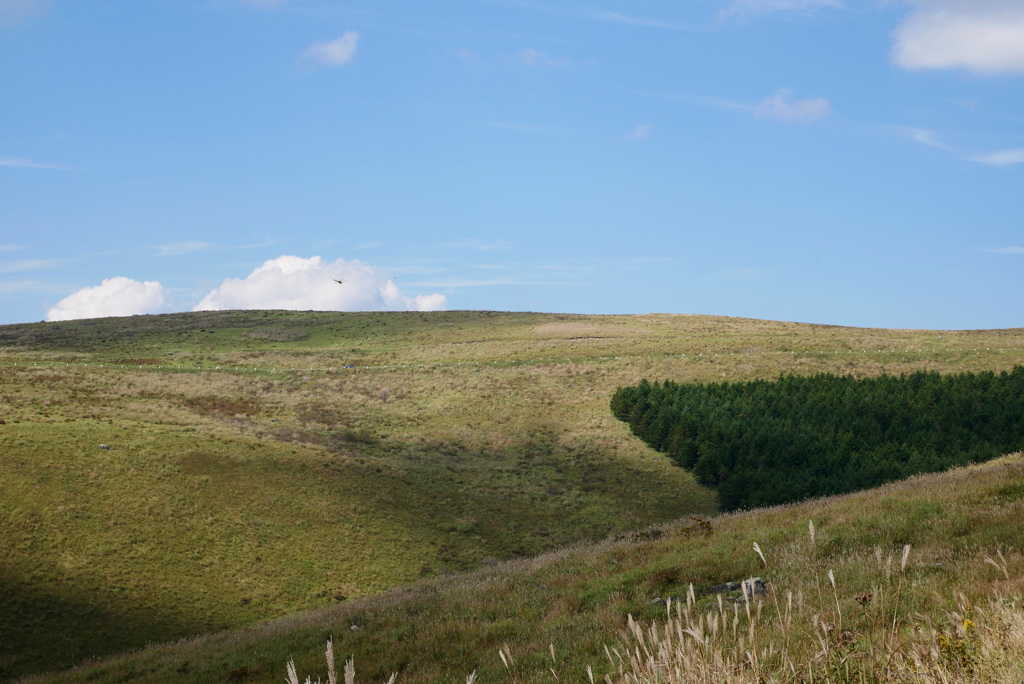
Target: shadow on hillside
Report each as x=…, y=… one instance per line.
x=45, y=629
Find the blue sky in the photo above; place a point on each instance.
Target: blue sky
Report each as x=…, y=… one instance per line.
x=830, y=161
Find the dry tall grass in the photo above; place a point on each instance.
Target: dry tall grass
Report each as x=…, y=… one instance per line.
x=806, y=639
x=798, y=638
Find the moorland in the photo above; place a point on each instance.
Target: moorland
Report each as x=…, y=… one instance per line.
x=259, y=464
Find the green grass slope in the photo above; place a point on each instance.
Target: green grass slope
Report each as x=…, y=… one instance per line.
x=911, y=562
x=250, y=475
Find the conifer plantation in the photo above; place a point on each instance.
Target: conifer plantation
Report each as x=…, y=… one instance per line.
x=761, y=443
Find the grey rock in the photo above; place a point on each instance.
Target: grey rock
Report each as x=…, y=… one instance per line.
x=658, y=600
x=752, y=588
x=725, y=588
x=104, y=447
x=354, y=628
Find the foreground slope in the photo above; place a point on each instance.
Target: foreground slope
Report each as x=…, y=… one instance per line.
x=251, y=475
x=932, y=555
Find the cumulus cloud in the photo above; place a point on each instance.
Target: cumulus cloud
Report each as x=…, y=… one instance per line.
x=1000, y=158
x=118, y=296
x=333, y=53
x=782, y=107
x=291, y=282
x=641, y=132
x=984, y=36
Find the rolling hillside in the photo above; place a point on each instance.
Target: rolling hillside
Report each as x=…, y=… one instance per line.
x=250, y=474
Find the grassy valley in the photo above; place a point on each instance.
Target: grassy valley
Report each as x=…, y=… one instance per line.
x=251, y=475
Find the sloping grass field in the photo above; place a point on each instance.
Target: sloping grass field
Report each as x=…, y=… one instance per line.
x=250, y=475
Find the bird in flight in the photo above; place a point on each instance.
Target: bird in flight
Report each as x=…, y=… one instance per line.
x=340, y=282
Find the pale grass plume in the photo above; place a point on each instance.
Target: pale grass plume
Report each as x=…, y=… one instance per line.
x=810, y=530
x=292, y=675
x=906, y=555
x=1001, y=567
x=758, y=550
x=332, y=675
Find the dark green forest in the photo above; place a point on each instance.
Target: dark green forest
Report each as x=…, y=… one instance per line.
x=764, y=442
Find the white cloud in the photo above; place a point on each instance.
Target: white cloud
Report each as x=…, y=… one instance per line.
x=27, y=265
x=333, y=53
x=118, y=296
x=23, y=163
x=782, y=107
x=1000, y=158
x=183, y=247
x=641, y=132
x=291, y=282
x=766, y=6
x=13, y=11
x=984, y=36
x=11, y=248
x=1007, y=250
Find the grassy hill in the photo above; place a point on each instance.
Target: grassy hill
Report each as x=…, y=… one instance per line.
x=918, y=581
x=250, y=475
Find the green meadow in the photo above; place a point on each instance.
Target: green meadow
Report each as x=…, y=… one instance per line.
x=251, y=476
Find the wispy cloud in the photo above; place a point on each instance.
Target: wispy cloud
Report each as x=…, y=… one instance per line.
x=336, y=52
x=641, y=132
x=782, y=107
x=263, y=243
x=923, y=136
x=596, y=14
x=1000, y=158
x=11, y=248
x=531, y=58
x=369, y=245
x=744, y=274
x=24, y=163
x=265, y=4
x=767, y=6
x=480, y=245
x=1006, y=250
x=183, y=247
x=471, y=282
x=13, y=12
x=34, y=287
x=528, y=128
x=27, y=265
x=983, y=37
x=698, y=100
